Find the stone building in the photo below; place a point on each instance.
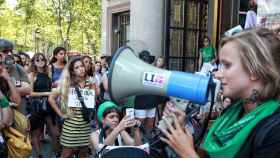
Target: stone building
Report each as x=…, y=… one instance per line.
x=170, y=28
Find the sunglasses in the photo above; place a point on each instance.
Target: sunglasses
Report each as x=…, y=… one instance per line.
x=7, y=51
x=40, y=59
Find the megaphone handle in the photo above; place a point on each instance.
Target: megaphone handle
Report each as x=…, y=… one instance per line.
x=206, y=122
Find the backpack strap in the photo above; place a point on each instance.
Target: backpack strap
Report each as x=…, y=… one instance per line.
x=85, y=110
x=52, y=71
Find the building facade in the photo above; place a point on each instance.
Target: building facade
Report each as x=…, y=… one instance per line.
x=171, y=28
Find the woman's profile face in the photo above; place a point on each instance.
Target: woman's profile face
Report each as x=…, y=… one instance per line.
x=97, y=66
x=60, y=55
x=112, y=119
x=235, y=80
x=87, y=63
x=23, y=58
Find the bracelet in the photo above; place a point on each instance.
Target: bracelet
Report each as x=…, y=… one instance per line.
x=4, y=102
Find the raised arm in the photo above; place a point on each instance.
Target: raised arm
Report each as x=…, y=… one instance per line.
x=120, y=129
x=14, y=94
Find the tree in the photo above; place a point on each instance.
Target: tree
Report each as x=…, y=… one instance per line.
x=49, y=23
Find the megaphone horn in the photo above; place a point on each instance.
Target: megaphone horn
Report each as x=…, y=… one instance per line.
x=128, y=76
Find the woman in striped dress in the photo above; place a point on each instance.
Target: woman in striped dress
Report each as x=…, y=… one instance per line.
x=76, y=128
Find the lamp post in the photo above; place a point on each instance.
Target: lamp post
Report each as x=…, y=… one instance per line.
x=36, y=32
x=67, y=44
x=67, y=40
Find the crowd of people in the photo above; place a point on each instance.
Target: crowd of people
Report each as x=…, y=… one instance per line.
x=38, y=88
x=41, y=88
x=68, y=100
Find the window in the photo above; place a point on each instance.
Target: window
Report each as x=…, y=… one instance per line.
x=120, y=30
x=186, y=26
x=243, y=8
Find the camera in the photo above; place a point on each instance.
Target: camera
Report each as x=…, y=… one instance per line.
x=8, y=61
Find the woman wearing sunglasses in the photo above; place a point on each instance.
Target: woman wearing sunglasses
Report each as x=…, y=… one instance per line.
x=41, y=112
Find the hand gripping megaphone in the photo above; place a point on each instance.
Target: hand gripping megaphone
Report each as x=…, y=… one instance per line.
x=128, y=76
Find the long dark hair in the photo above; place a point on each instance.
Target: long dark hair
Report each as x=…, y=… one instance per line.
x=85, y=111
x=90, y=72
x=19, y=59
x=71, y=70
x=99, y=71
x=106, y=112
x=55, y=52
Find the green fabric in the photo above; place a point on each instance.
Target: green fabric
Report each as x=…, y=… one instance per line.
x=4, y=102
x=208, y=53
x=129, y=103
x=103, y=107
x=229, y=132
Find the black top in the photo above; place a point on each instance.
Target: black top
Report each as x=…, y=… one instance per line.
x=148, y=101
x=264, y=140
x=42, y=83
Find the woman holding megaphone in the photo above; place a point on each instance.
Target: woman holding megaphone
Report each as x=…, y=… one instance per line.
x=250, y=127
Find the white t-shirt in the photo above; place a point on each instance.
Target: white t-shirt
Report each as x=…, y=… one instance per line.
x=251, y=19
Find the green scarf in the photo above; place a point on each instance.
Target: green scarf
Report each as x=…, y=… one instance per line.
x=229, y=132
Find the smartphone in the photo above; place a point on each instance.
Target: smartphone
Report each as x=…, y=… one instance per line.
x=130, y=112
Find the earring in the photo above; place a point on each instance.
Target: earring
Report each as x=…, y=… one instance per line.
x=254, y=97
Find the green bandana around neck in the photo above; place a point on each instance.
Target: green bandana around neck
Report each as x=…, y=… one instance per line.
x=229, y=132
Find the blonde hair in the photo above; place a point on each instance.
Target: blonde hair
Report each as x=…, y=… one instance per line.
x=63, y=88
x=66, y=80
x=259, y=52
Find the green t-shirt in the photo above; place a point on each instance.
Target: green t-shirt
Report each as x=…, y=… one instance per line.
x=208, y=53
x=129, y=103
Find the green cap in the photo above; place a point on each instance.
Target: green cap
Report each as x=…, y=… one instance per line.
x=103, y=107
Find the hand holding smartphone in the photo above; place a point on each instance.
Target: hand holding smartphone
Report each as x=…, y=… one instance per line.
x=130, y=112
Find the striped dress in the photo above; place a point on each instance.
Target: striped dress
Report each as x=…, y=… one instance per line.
x=75, y=131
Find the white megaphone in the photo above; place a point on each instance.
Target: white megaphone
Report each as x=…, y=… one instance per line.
x=128, y=76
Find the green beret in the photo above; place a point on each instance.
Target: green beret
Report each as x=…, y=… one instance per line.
x=103, y=107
